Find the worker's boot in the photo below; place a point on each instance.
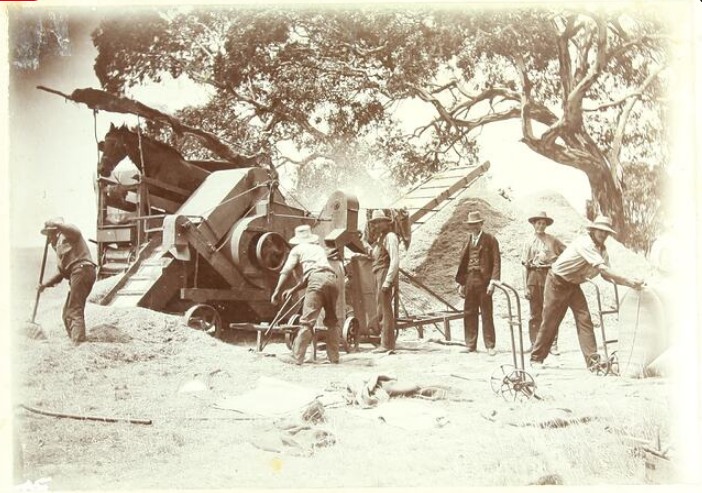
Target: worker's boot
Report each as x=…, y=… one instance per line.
x=554, y=347
x=77, y=332
x=302, y=340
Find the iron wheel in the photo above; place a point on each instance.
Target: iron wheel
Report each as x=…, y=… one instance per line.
x=205, y=318
x=350, y=334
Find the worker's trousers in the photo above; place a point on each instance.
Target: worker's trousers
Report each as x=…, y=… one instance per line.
x=81, y=282
x=321, y=293
x=536, y=306
x=559, y=295
x=386, y=315
x=478, y=301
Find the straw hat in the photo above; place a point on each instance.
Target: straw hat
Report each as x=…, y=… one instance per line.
x=474, y=217
x=49, y=225
x=541, y=215
x=378, y=215
x=303, y=234
x=602, y=223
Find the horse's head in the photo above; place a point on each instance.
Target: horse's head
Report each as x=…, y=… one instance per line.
x=113, y=150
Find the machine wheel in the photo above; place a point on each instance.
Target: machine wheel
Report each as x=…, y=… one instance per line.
x=290, y=335
x=512, y=384
x=270, y=251
x=205, y=318
x=350, y=334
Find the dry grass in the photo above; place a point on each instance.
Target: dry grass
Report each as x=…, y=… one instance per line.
x=137, y=360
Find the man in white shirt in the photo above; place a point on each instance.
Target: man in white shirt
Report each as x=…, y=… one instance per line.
x=583, y=259
x=321, y=292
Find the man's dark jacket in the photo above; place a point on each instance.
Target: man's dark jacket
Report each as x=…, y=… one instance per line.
x=489, y=259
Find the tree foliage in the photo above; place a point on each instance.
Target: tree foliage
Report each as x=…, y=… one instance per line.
x=35, y=37
x=645, y=203
x=333, y=85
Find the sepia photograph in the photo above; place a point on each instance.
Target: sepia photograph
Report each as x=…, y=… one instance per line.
x=397, y=245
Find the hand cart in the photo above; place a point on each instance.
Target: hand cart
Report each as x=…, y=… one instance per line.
x=513, y=382
x=609, y=365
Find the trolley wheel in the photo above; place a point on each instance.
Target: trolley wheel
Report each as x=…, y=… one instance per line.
x=205, y=318
x=290, y=335
x=597, y=366
x=512, y=384
x=350, y=333
x=613, y=364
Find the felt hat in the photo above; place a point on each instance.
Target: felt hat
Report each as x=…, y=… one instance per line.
x=541, y=215
x=474, y=218
x=602, y=223
x=378, y=216
x=49, y=225
x=303, y=234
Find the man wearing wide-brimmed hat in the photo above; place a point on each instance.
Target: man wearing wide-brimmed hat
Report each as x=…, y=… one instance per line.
x=321, y=292
x=538, y=253
x=583, y=259
x=76, y=265
x=385, y=257
x=478, y=271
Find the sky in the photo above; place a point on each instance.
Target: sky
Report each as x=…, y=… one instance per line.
x=53, y=142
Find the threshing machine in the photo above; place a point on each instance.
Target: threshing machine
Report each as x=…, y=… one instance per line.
x=208, y=238
x=217, y=256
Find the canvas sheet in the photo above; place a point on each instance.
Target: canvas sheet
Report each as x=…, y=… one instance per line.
x=407, y=414
x=270, y=398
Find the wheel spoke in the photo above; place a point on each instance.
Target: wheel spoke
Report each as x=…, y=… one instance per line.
x=499, y=378
x=514, y=384
x=204, y=318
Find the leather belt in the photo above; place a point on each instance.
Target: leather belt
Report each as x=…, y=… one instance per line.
x=80, y=263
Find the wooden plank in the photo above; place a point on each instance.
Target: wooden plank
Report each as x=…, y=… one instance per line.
x=166, y=186
x=150, y=249
x=201, y=295
x=164, y=204
x=114, y=235
x=423, y=204
x=455, y=180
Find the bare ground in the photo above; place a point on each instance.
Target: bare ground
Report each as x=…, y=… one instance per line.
x=135, y=362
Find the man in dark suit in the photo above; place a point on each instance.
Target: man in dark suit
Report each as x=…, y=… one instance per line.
x=478, y=271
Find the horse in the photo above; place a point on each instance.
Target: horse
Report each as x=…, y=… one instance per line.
x=153, y=158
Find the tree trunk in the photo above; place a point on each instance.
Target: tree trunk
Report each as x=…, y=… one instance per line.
x=606, y=196
x=608, y=199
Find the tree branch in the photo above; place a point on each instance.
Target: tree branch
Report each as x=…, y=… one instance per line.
x=527, y=129
x=572, y=114
x=302, y=162
x=364, y=53
x=632, y=43
x=615, y=150
x=561, y=154
x=564, y=65
x=636, y=94
x=283, y=113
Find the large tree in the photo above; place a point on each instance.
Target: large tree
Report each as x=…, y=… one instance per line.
x=587, y=87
